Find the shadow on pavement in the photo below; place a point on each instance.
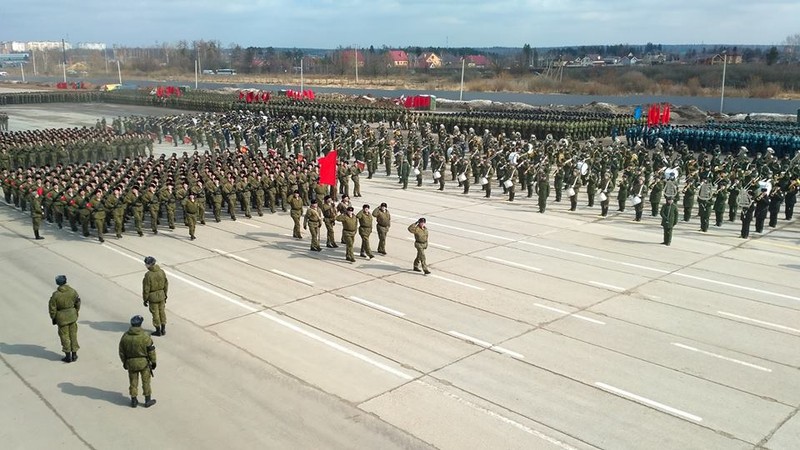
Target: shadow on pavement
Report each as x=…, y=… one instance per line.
x=119, y=327
x=35, y=351
x=112, y=397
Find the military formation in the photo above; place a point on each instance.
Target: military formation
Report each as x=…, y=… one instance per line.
x=137, y=352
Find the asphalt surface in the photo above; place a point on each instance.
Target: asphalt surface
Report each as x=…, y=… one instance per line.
x=557, y=330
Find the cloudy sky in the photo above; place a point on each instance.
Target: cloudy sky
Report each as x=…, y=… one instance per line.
x=400, y=23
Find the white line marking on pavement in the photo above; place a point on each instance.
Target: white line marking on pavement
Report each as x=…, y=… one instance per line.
x=433, y=245
x=608, y=286
x=230, y=255
x=377, y=306
x=577, y=316
x=337, y=346
x=724, y=358
x=191, y=283
x=458, y=282
x=485, y=344
x=761, y=322
x=647, y=401
x=245, y=223
x=499, y=417
x=737, y=286
x=286, y=324
x=292, y=277
x=511, y=263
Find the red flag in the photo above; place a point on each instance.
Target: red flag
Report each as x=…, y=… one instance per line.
x=665, y=114
x=327, y=169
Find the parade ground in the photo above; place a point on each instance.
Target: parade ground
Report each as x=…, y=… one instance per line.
x=560, y=330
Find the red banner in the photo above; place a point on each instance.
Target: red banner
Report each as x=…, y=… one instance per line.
x=327, y=168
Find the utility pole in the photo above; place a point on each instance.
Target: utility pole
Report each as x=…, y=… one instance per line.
x=722, y=92
x=22, y=69
x=302, y=81
x=196, y=68
x=461, y=92
x=355, y=56
x=119, y=72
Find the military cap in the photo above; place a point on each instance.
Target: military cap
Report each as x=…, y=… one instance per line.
x=137, y=320
x=149, y=260
x=61, y=280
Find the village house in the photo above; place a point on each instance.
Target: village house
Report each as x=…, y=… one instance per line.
x=428, y=61
x=398, y=58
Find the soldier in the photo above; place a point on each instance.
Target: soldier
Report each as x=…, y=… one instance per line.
x=151, y=201
x=349, y=228
x=138, y=356
x=605, y=194
x=775, y=202
x=404, y=171
x=191, y=208
x=384, y=222
x=134, y=201
x=36, y=212
x=638, y=202
x=296, y=212
x=64, y=306
x=354, y=172
x=542, y=190
x=704, y=195
x=762, y=207
x=329, y=217
x=420, y=232
x=746, y=204
x=155, y=287
x=313, y=218
x=365, y=230
x=229, y=189
x=622, y=193
x=99, y=213
x=669, y=218
x=720, y=200
x=486, y=180
x=688, y=199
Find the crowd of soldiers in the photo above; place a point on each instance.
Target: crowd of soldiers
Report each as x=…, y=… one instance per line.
x=22, y=149
x=257, y=161
x=49, y=96
x=783, y=138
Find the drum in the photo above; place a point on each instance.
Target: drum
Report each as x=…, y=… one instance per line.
x=508, y=183
x=461, y=177
x=583, y=167
x=603, y=197
x=570, y=192
x=636, y=200
x=437, y=175
x=484, y=181
x=416, y=172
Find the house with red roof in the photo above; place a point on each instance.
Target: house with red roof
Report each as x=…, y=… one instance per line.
x=398, y=58
x=478, y=61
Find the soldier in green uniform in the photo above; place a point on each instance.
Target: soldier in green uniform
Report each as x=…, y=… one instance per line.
x=329, y=217
x=420, y=232
x=355, y=172
x=669, y=218
x=542, y=190
x=349, y=228
x=720, y=201
x=191, y=208
x=151, y=201
x=704, y=203
x=622, y=193
x=99, y=214
x=404, y=171
x=384, y=219
x=167, y=198
x=155, y=288
x=116, y=204
x=64, y=307
x=313, y=218
x=36, y=212
x=138, y=356
x=229, y=190
x=296, y=212
x=656, y=192
x=134, y=201
x=688, y=199
x=365, y=230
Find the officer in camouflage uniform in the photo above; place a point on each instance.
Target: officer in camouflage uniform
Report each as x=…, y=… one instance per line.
x=155, y=288
x=64, y=307
x=138, y=356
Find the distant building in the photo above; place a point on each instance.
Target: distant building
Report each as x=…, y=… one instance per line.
x=629, y=60
x=46, y=45
x=12, y=47
x=713, y=60
x=348, y=56
x=91, y=46
x=478, y=62
x=398, y=58
x=428, y=61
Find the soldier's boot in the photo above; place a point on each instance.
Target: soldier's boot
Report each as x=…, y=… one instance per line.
x=134, y=402
x=148, y=402
x=156, y=333
x=67, y=357
x=74, y=356
x=163, y=330
x=36, y=234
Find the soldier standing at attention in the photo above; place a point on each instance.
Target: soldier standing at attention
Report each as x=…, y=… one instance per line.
x=36, y=212
x=420, y=233
x=313, y=218
x=669, y=218
x=365, y=230
x=154, y=293
x=191, y=208
x=296, y=211
x=329, y=217
x=64, y=306
x=384, y=222
x=138, y=356
x=349, y=228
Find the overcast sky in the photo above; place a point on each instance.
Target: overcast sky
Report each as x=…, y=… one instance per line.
x=400, y=23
